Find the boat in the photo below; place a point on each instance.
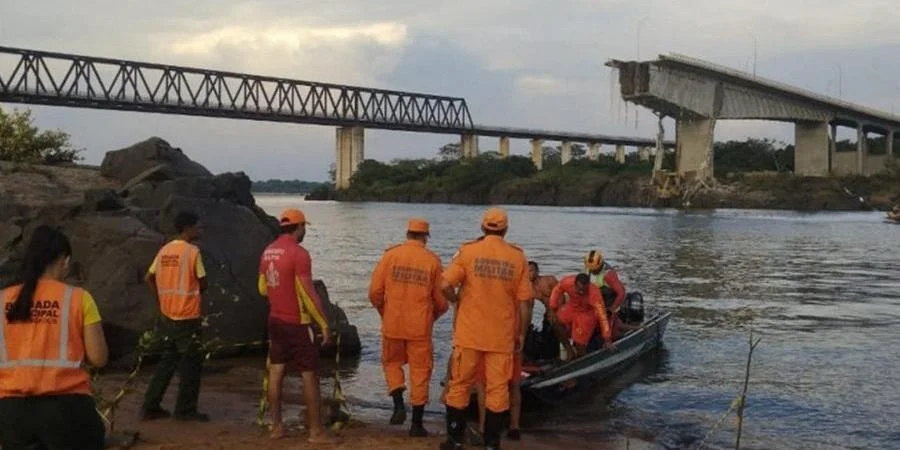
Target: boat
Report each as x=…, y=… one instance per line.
x=551, y=382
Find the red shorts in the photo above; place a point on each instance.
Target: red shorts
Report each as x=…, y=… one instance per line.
x=580, y=322
x=291, y=343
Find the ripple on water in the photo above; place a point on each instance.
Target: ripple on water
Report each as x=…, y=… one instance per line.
x=821, y=290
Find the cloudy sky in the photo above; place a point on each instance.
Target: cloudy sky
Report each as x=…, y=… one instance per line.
x=522, y=63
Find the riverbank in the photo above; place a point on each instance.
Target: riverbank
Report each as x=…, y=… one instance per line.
x=230, y=395
x=764, y=190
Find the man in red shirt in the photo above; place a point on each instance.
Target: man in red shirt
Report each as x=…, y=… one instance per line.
x=582, y=312
x=285, y=277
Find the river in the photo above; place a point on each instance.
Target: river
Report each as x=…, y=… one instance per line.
x=821, y=289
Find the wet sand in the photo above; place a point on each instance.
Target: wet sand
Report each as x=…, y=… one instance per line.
x=230, y=395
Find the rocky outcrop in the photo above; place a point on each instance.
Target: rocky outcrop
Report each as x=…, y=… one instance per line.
x=118, y=218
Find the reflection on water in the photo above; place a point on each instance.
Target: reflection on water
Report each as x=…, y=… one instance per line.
x=822, y=290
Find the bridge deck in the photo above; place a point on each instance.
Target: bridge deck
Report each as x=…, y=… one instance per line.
x=58, y=79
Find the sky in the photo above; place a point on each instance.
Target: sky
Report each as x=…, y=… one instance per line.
x=522, y=63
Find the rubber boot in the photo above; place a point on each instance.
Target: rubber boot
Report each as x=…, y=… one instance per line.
x=456, y=429
x=399, y=415
x=493, y=422
x=418, y=429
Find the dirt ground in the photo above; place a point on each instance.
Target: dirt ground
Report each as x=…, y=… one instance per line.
x=231, y=399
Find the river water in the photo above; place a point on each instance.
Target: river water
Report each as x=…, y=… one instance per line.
x=822, y=290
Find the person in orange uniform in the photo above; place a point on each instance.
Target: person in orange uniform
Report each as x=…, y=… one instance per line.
x=177, y=277
x=48, y=330
x=285, y=278
x=582, y=312
x=405, y=289
x=606, y=279
x=493, y=278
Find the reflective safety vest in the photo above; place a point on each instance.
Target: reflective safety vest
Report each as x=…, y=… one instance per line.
x=599, y=279
x=177, y=284
x=44, y=356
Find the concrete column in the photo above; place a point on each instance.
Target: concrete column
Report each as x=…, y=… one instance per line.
x=860, y=150
x=537, y=153
x=889, y=144
x=620, y=154
x=504, y=147
x=594, y=151
x=694, y=140
x=469, y=145
x=811, y=148
x=349, y=152
x=566, y=152
x=644, y=153
x=832, y=148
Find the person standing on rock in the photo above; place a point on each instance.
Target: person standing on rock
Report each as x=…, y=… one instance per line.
x=285, y=278
x=49, y=328
x=405, y=289
x=493, y=279
x=177, y=278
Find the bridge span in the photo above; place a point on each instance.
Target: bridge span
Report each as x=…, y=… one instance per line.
x=698, y=93
x=59, y=79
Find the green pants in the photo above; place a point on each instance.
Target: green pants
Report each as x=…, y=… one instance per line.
x=180, y=341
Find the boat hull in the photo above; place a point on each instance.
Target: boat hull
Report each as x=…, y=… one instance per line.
x=555, y=384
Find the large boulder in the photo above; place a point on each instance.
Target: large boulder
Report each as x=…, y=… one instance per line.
x=118, y=222
x=127, y=163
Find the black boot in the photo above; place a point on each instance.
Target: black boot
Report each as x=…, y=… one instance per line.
x=456, y=429
x=399, y=415
x=493, y=422
x=418, y=429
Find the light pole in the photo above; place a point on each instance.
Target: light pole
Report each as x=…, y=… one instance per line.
x=840, y=75
x=637, y=43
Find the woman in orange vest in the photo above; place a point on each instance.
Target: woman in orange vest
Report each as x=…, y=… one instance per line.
x=49, y=330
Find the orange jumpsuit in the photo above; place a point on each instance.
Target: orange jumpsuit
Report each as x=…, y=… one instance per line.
x=493, y=275
x=581, y=313
x=405, y=289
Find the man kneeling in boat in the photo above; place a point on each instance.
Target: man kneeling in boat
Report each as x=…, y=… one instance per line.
x=581, y=313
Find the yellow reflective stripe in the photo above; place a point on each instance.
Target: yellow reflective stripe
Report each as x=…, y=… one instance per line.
x=64, y=326
x=55, y=363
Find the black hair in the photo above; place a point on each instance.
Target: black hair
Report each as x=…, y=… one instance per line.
x=185, y=220
x=289, y=229
x=582, y=278
x=46, y=246
x=535, y=265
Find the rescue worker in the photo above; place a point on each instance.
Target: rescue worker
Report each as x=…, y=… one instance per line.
x=285, y=278
x=49, y=329
x=582, y=312
x=493, y=277
x=177, y=278
x=405, y=289
x=606, y=278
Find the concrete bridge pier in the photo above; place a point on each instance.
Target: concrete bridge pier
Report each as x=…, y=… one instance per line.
x=469, y=145
x=644, y=153
x=694, y=145
x=620, y=154
x=811, y=148
x=350, y=151
x=889, y=145
x=861, y=150
x=565, y=152
x=537, y=153
x=594, y=151
x=503, y=148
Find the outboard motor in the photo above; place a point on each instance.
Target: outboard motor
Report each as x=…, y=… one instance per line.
x=632, y=312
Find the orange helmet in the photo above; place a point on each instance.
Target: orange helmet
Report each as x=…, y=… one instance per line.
x=593, y=261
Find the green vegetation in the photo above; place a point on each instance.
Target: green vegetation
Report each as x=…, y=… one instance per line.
x=276, y=186
x=21, y=141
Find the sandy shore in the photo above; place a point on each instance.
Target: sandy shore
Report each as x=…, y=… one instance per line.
x=230, y=396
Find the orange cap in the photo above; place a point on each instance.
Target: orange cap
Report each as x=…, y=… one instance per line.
x=495, y=219
x=292, y=217
x=417, y=226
